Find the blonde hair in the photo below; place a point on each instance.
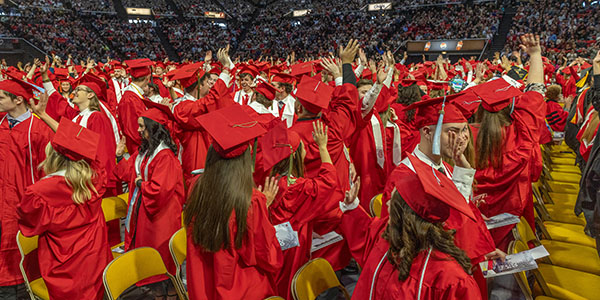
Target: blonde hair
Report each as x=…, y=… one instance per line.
x=78, y=174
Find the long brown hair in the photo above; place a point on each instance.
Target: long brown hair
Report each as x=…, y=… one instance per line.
x=282, y=167
x=407, y=96
x=225, y=187
x=408, y=234
x=489, y=143
x=78, y=174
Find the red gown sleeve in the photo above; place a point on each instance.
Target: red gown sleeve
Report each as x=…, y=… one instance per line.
x=361, y=232
x=58, y=106
x=343, y=113
x=261, y=249
x=186, y=112
x=310, y=197
x=128, y=119
x=34, y=214
x=161, y=182
x=466, y=289
x=528, y=114
x=124, y=169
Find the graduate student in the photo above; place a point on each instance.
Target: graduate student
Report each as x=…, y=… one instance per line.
x=156, y=193
x=232, y=250
x=505, y=141
x=64, y=209
x=23, y=138
x=408, y=254
x=299, y=200
x=88, y=95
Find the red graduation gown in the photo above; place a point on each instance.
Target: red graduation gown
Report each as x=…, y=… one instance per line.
x=364, y=155
x=301, y=203
x=17, y=167
x=58, y=106
x=443, y=277
x=245, y=273
x=162, y=196
x=99, y=123
x=508, y=188
x=73, y=243
x=341, y=117
x=129, y=110
x=194, y=139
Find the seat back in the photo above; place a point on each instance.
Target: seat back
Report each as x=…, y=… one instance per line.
x=274, y=298
x=515, y=247
x=27, y=245
x=523, y=232
x=132, y=267
x=312, y=279
x=375, y=205
x=114, y=208
x=178, y=248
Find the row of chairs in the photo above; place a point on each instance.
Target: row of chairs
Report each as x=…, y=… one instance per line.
x=126, y=269
x=572, y=271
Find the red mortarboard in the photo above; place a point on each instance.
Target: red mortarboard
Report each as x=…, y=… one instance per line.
x=159, y=64
x=284, y=78
x=18, y=87
x=313, y=94
x=407, y=82
x=277, y=144
x=248, y=69
x=436, y=85
x=139, y=67
x=467, y=102
x=61, y=73
x=428, y=111
x=496, y=94
x=266, y=89
x=74, y=141
x=431, y=197
x=231, y=129
x=157, y=112
x=187, y=75
x=94, y=83
x=301, y=69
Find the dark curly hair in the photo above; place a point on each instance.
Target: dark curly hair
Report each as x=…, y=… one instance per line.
x=408, y=234
x=408, y=95
x=157, y=133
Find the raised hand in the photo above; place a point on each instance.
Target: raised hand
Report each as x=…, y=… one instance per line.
x=320, y=134
x=208, y=56
x=270, y=190
x=362, y=56
x=332, y=67
x=39, y=108
x=531, y=44
x=121, y=147
x=353, y=192
x=458, y=147
x=348, y=53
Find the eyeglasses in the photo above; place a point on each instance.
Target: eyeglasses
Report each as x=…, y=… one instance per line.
x=79, y=88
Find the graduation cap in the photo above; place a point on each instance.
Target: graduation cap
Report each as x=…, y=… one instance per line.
x=94, y=83
x=75, y=142
x=248, y=69
x=278, y=144
x=157, y=112
x=231, y=129
x=301, y=69
x=19, y=87
x=467, y=102
x=266, y=89
x=139, y=67
x=437, y=111
x=187, y=75
x=284, y=78
x=313, y=94
x=431, y=195
x=496, y=94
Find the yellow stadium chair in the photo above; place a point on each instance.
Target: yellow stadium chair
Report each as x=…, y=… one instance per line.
x=375, y=206
x=124, y=197
x=132, y=267
x=178, y=248
x=561, y=187
x=557, y=213
x=569, y=233
x=114, y=208
x=564, y=177
x=554, y=281
x=36, y=288
x=563, y=161
x=274, y=298
x=522, y=281
x=312, y=279
x=565, y=169
x=561, y=253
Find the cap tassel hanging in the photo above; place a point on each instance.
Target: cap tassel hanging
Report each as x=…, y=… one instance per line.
x=254, y=154
x=437, y=135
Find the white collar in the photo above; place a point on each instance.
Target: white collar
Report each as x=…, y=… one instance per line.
x=136, y=89
x=424, y=158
